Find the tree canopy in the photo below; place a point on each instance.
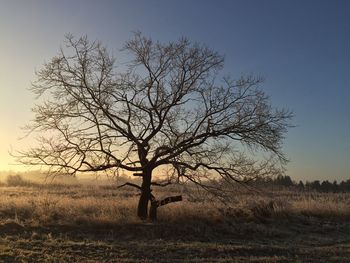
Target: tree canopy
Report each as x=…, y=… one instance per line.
x=167, y=107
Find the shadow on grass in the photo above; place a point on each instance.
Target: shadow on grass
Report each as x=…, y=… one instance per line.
x=274, y=241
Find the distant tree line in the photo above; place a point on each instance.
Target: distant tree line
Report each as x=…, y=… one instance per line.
x=319, y=186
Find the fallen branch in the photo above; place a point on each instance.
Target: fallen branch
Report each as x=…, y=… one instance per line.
x=155, y=204
x=168, y=200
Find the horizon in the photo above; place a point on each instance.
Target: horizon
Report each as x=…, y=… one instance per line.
x=301, y=49
x=39, y=175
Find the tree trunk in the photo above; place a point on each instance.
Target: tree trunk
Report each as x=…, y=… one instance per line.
x=146, y=196
x=155, y=204
x=142, y=209
x=153, y=211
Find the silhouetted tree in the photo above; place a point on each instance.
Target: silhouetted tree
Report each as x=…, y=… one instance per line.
x=301, y=186
x=344, y=186
x=284, y=180
x=315, y=185
x=335, y=186
x=326, y=186
x=167, y=109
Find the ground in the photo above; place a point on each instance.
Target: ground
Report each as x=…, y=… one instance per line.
x=280, y=242
x=91, y=224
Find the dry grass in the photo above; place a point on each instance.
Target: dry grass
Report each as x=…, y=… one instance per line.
x=86, y=204
x=75, y=205
x=86, y=223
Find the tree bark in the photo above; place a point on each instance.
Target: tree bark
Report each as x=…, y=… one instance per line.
x=146, y=196
x=153, y=211
x=142, y=208
x=155, y=204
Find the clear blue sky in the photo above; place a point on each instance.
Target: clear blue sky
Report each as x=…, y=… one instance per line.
x=301, y=47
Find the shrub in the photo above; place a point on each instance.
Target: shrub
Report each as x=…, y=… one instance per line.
x=17, y=180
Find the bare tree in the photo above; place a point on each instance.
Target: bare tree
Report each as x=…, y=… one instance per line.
x=165, y=108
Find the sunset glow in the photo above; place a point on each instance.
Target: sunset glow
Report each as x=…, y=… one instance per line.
x=301, y=48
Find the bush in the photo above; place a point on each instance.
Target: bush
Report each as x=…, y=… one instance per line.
x=17, y=180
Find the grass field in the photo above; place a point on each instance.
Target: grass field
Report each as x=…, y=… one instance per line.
x=97, y=223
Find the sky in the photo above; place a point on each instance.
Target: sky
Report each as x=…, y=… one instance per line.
x=301, y=47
